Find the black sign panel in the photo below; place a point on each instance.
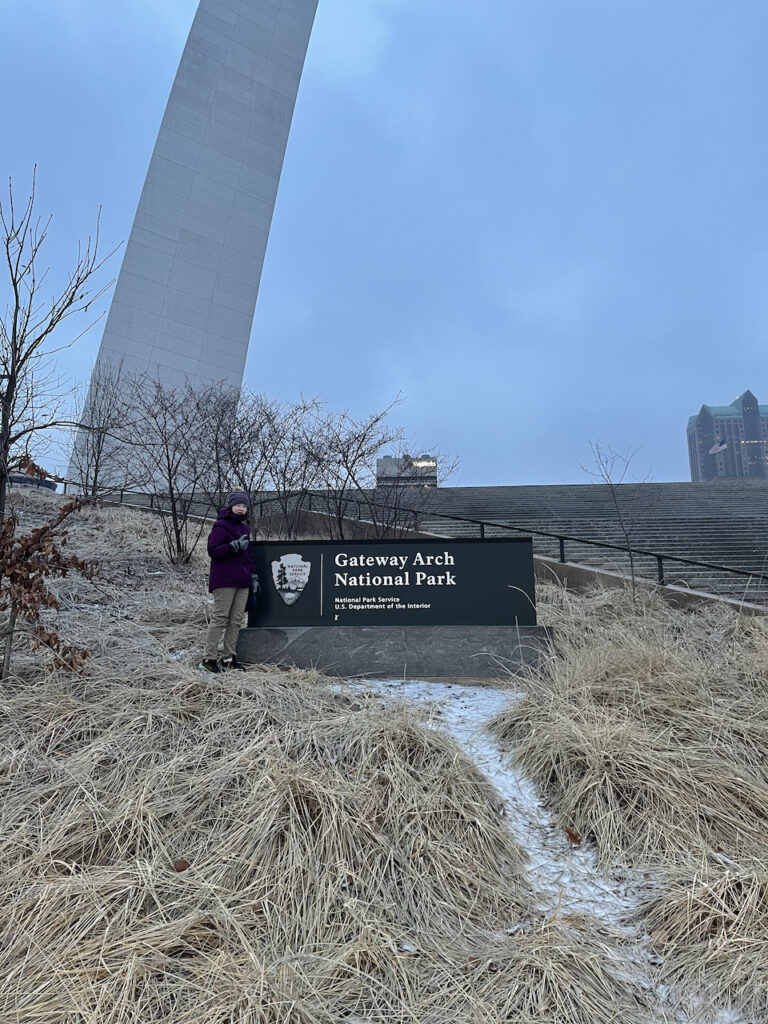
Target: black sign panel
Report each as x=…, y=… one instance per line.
x=395, y=583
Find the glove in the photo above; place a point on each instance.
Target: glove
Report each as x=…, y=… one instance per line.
x=239, y=545
x=255, y=584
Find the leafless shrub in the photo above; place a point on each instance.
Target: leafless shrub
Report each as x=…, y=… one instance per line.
x=246, y=447
x=99, y=463
x=291, y=470
x=396, y=506
x=345, y=450
x=631, y=502
x=169, y=442
x=215, y=411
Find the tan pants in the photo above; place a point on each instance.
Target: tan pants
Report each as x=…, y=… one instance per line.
x=228, y=609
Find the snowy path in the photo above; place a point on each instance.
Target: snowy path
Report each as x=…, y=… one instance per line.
x=567, y=878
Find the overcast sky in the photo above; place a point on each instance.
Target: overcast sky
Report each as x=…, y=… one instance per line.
x=542, y=222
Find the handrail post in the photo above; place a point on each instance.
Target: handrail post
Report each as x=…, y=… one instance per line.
x=482, y=531
x=562, y=548
x=660, y=569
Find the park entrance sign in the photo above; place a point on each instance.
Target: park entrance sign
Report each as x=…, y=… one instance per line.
x=421, y=582
x=421, y=609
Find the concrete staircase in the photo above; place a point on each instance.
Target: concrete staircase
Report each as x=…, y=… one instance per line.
x=723, y=522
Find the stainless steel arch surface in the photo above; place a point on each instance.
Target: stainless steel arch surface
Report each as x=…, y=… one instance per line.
x=185, y=296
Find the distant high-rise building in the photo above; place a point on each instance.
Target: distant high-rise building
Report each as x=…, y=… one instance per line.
x=729, y=440
x=406, y=471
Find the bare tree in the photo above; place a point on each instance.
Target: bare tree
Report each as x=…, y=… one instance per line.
x=169, y=447
x=345, y=450
x=241, y=427
x=294, y=458
x=31, y=396
x=611, y=468
x=289, y=458
x=216, y=413
x=249, y=440
x=97, y=462
x=399, y=503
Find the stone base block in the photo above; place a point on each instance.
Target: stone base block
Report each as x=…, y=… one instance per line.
x=397, y=652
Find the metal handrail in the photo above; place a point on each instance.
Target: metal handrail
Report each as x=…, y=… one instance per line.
x=561, y=538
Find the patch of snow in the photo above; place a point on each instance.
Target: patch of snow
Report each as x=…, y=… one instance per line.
x=567, y=877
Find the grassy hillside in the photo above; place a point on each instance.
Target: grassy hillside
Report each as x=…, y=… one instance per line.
x=265, y=847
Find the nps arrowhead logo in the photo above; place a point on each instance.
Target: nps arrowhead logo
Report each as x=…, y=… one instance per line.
x=290, y=574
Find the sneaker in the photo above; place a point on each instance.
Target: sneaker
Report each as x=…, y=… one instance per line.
x=230, y=663
x=209, y=665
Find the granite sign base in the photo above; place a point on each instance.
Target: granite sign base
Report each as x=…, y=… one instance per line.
x=397, y=652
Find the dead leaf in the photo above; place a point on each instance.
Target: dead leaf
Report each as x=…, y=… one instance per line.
x=573, y=836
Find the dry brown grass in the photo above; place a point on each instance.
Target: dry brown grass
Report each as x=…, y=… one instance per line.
x=648, y=729
x=711, y=931
x=648, y=732
x=299, y=858
x=187, y=849
x=343, y=864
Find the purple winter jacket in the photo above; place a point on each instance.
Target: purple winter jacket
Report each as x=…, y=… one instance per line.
x=228, y=568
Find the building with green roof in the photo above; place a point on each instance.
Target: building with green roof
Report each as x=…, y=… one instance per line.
x=729, y=440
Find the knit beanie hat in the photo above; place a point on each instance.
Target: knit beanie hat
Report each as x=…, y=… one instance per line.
x=238, y=498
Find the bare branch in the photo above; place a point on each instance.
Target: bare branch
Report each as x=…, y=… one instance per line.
x=610, y=468
x=30, y=395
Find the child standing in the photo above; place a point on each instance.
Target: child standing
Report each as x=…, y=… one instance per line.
x=230, y=582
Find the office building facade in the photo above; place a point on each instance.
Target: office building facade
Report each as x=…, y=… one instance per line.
x=406, y=471
x=729, y=440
